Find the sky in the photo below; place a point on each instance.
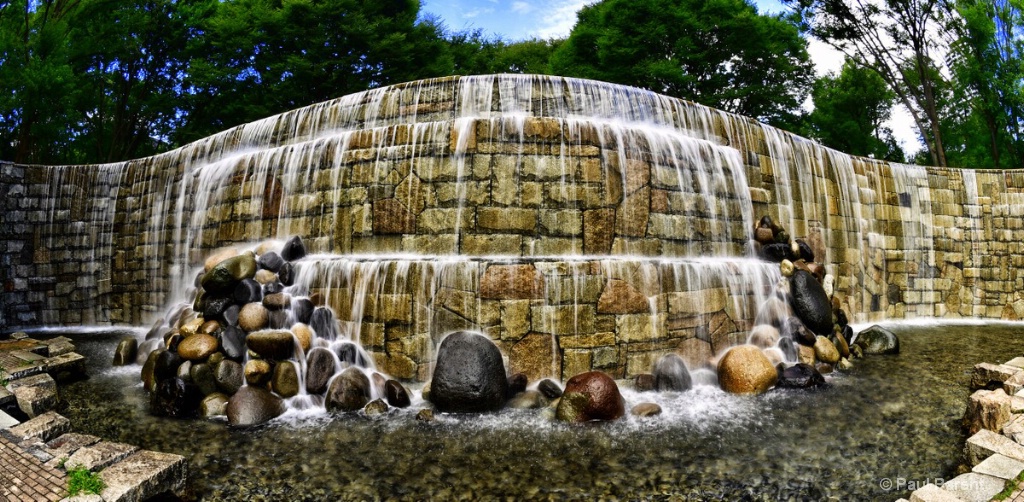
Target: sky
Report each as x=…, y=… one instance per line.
x=516, y=20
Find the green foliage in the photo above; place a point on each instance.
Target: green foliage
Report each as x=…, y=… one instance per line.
x=718, y=52
x=82, y=480
x=849, y=110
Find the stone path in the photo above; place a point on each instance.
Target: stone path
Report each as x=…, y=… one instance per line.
x=36, y=454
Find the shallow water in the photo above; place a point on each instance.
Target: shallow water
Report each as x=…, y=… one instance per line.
x=889, y=422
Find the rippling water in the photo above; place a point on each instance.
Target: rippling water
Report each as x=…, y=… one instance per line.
x=891, y=418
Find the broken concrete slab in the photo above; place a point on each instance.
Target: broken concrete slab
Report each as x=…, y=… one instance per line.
x=143, y=475
x=974, y=487
x=36, y=400
x=99, y=455
x=932, y=493
x=44, y=427
x=986, y=374
x=1000, y=466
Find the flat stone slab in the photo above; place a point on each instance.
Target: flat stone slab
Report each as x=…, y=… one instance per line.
x=100, y=455
x=1000, y=466
x=29, y=357
x=974, y=487
x=36, y=400
x=6, y=396
x=143, y=475
x=7, y=421
x=985, y=373
x=71, y=363
x=986, y=443
x=40, y=380
x=44, y=427
x=63, y=446
x=932, y=493
x=1017, y=362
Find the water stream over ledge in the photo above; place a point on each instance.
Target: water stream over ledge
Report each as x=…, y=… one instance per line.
x=890, y=418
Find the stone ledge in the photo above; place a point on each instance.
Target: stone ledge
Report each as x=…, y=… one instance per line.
x=144, y=475
x=44, y=427
x=99, y=456
x=932, y=493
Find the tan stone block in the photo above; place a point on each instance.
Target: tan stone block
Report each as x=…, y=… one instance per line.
x=537, y=356
x=574, y=362
x=506, y=219
x=492, y=245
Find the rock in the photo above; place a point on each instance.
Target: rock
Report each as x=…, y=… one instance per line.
x=149, y=370
x=796, y=330
x=231, y=315
x=620, y=297
x=273, y=287
x=352, y=354
x=253, y=317
x=788, y=348
x=549, y=388
x=264, y=277
x=175, y=398
x=285, y=381
x=841, y=318
x=527, y=400
x=320, y=366
x=214, y=308
x=987, y=409
x=425, y=415
x=469, y=375
x=991, y=376
x=229, y=376
x=878, y=340
x=646, y=410
x=253, y=406
x=167, y=363
x=376, y=408
x=184, y=371
x=824, y=368
x=323, y=323
x=764, y=236
x=841, y=345
x=286, y=275
x=202, y=376
x=396, y=394
x=786, y=268
x=210, y=327
x=799, y=376
x=272, y=344
x=278, y=319
x=218, y=256
x=643, y=382
x=248, y=291
x=198, y=347
x=126, y=351
x=146, y=348
x=670, y=374
x=302, y=309
x=806, y=252
x=349, y=391
x=293, y=249
x=845, y=364
x=277, y=301
x=825, y=351
x=764, y=336
x=190, y=327
x=232, y=341
x=516, y=384
x=270, y=261
x=774, y=355
x=775, y=253
x=590, y=396
x=744, y=369
x=774, y=312
x=810, y=303
x=511, y=282
x=213, y=405
x=304, y=335
x=223, y=277
x=257, y=372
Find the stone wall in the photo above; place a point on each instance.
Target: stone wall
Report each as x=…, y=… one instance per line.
x=416, y=197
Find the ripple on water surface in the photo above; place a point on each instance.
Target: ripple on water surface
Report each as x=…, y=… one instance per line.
x=891, y=417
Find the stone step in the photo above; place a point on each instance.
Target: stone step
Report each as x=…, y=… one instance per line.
x=143, y=475
x=986, y=443
x=1000, y=466
x=932, y=493
x=7, y=421
x=974, y=487
x=44, y=427
x=100, y=455
x=6, y=396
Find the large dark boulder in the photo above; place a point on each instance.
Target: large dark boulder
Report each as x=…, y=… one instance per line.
x=352, y=355
x=272, y=344
x=270, y=261
x=590, y=396
x=323, y=323
x=293, y=249
x=349, y=391
x=878, y=340
x=320, y=366
x=396, y=394
x=810, y=303
x=175, y=398
x=247, y=291
x=232, y=342
x=469, y=375
x=224, y=276
x=799, y=376
x=253, y=406
x=670, y=374
x=229, y=376
x=775, y=253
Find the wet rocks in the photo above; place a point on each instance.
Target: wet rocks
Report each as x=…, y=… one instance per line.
x=810, y=303
x=175, y=398
x=224, y=276
x=126, y=351
x=285, y=380
x=349, y=391
x=469, y=375
x=549, y=388
x=229, y=376
x=396, y=394
x=253, y=406
x=646, y=410
x=253, y=317
x=320, y=366
x=825, y=351
x=670, y=374
x=799, y=376
x=198, y=347
x=271, y=344
x=590, y=396
x=878, y=340
x=293, y=249
x=744, y=369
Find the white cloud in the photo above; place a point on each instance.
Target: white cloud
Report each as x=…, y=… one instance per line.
x=476, y=12
x=521, y=7
x=560, y=18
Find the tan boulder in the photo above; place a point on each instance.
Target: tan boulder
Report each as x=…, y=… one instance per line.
x=744, y=369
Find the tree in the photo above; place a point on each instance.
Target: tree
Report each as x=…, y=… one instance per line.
x=718, y=52
x=849, y=110
x=473, y=53
x=896, y=39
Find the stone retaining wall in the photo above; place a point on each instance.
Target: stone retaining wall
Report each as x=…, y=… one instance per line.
x=532, y=170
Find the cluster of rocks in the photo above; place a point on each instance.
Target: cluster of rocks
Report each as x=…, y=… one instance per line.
x=244, y=345
x=800, y=332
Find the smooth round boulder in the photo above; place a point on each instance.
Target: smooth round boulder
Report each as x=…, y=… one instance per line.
x=670, y=374
x=549, y=388
x=775, y=253
x=232, y=341
x=788, y=348
x=396, y=394
x=527, y=400
x=302, y=309
x=218, y=256
x=213, y=405
x=796, y=330
x=646, y=410
x=590, y=396
x=810, y=303
x=214, y=308
x=323, y=323
x=272, y=344
x=230, y=315
x=806, y=252
x=352, y=355
x=644, y=382
x=224, y=276
x=146, y=348
x=253, y=317
x=744, y=369
x=293, y=249
x=287, y=274
x=270, y=261
x=126, y=351
x=321, y=364
x=257, y=372
x=248, y=291
x=376, y=408
x=825, y=351
x=842, y=346
x=167, y=365
x=149, y=369
x=878, y=340
x=264, y=277
x=277, y=301
x=516, y=384
x=253, y=406
x=349, y=391
x=469, y=375
x=285, y=381
x=799, y=376
x=175, y=398
x=229, y=376
x=304, y=334
x=202, y=375
x=198, y=347
x=764, y=336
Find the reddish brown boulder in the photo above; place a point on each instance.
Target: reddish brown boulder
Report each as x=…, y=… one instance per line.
x=590, y=396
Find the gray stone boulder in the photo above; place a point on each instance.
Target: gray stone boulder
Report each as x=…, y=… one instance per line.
x=810, y=303
x=349, y=391
x=321, y=364
x=670, y=374
x=469, y=375
x=799, y=376
x=293, y=249
x=253, y=406
x=229, y=376
x=175, y=398
x=878, y=340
